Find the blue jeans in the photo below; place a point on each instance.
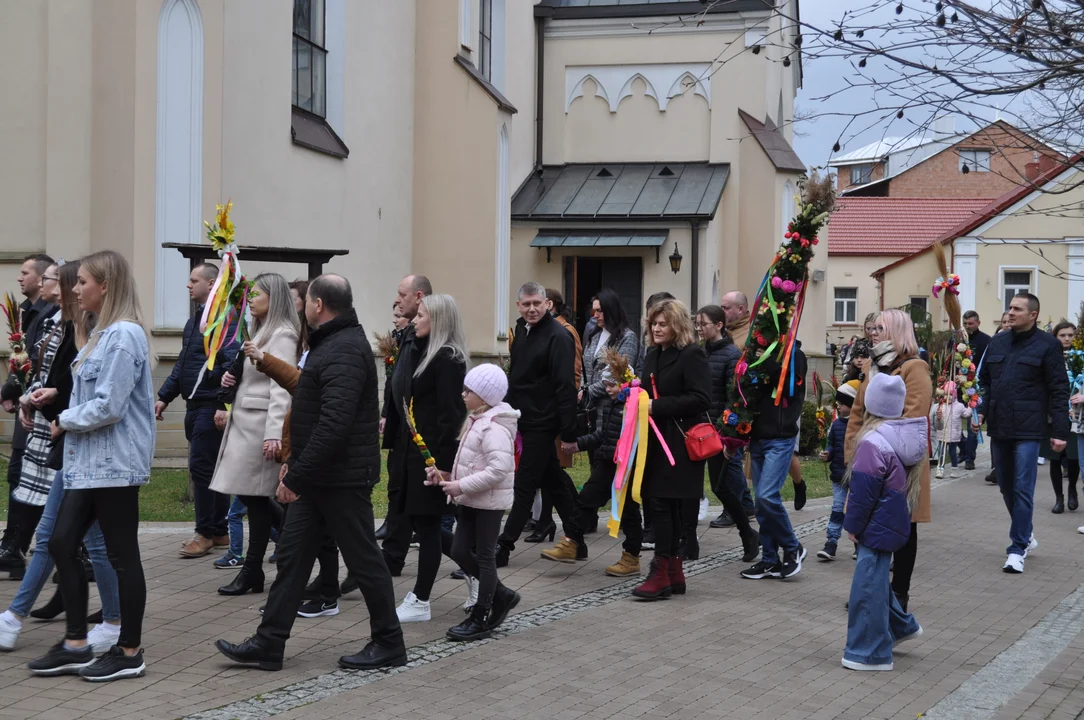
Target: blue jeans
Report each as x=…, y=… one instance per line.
x=970, y=444
x=1015, y=462
x=41, y=563
x=204, y=440
x=875, y=620
x=952, y=448
x=835, y=520
x=771, y=463
x=237, y=530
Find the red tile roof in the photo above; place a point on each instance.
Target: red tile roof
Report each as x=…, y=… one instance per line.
x=895, y=225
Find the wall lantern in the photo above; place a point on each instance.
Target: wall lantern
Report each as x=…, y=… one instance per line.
x=675, y=260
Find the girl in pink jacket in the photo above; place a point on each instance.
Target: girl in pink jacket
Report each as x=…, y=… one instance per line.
x=946, y=429
x=481, y=484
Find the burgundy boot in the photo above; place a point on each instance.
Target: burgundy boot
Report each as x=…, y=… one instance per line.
x=657, y=584
x=677, y=576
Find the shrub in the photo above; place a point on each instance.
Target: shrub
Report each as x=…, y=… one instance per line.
x=808, y=442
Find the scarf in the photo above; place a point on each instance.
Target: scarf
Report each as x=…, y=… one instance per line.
x=884, y=355
x=739, y=332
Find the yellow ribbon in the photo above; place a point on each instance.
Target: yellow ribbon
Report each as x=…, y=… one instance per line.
x=641, y=453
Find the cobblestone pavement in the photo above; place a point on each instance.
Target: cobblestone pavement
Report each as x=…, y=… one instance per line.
x=995, y=645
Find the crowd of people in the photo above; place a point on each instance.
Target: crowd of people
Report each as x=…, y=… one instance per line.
x=288, y=427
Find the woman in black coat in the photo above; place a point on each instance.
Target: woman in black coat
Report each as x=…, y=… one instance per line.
x=678, y=381
x=437, y=364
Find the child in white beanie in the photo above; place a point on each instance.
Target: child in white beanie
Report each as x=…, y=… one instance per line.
x=481, y=484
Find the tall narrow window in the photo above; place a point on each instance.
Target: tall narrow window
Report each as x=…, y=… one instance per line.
x=1016, y=282
x=485, y=38
x=310, y=57
x=846, y=306
x=919, y=308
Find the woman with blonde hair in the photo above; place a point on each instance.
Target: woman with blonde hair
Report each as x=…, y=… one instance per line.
x=248, y=460
x=895, y=352
x=678, y=381
x=431, y=389
x=108, y=444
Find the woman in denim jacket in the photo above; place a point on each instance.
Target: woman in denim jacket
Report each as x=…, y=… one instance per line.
x=109, y=442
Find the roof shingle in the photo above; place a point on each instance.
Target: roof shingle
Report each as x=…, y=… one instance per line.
x=895, y=225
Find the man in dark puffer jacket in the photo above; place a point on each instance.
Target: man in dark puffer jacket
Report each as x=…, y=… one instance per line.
x=334, y=463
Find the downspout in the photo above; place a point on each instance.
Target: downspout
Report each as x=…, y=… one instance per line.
x=695, y=262
x=540, y=79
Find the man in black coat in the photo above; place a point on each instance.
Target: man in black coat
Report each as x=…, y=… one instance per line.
x=334, y=464
x=201, y=403
x=1024, y=390
x=978, y=341
x=771, y=449
x=542, y=386
x=34, y=310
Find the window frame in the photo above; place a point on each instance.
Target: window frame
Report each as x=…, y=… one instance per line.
x=317, y=88
x=970, y=157
x=842, y=303
x=860, y=171
x=923, y=301
x=485, y=39
x=1016, y=287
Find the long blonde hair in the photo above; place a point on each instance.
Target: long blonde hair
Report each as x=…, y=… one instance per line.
x=680, y=323
x=914, y=472
x=445, y=330
x=281, y=311
x=120, y=302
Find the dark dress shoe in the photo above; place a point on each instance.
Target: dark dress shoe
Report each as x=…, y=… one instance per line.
x=969, y=465
x=529, y=526
x=51, y=609
x=541, y=532
x=504, y=600
x=374, y=656
x=723, y=521
x=245, y=581
x=1073, y=502
x=458, y=574
x=251, y=652
x=1059, y=507
x=799, y=496
x=382, y=532
x=348, y=585
x=501, y=556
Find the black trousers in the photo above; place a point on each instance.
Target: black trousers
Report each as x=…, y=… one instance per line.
x=328, y=558
x=474, y=548
x=903, y=564
x=539, y=469
x=347, y=514
x=666, y=519
x=397, y=543
x=117, y=513
x=204, y=440
x=261, y=516
x=595, y=493
x=728, y=483
x=23, y=521
x=433, y=541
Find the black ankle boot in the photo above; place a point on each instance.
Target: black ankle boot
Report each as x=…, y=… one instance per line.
x=750, y=543
x=51, y=609
x=474, y=627
x=246, y=580
x=1073, y=502
x=1059, y=506
x=502, y=554
x=11, y=559
x=504, y=600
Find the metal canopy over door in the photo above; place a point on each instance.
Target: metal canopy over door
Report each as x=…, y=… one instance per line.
x=585, y=276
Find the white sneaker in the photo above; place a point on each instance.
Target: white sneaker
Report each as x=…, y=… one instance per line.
x=1080, y=529
x=1014, y=564
x=102, y=637
x=472, y=593
x=413, y=610
x=852, y=665
x=1033, y=545
x=10, y=627
x=939, y=473
x=1042, y=461
x=703, y=510
x=954, y=473
x=913, y=636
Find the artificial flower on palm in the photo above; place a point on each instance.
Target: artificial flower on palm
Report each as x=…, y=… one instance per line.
x=19, y=365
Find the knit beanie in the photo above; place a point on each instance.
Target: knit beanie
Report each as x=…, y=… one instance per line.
x=847, y=392
x=488, y=382
x=886, y=396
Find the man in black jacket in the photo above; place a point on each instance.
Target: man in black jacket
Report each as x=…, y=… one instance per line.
x=978, y=341
x=201, y=403
x=542, y=386
x=771, y=450
x=334, y=464
x=1024, y=389
x=34, y=310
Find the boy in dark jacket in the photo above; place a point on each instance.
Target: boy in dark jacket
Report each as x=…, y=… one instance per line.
x=837, y=436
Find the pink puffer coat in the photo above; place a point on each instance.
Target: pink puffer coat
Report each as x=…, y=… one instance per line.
x=485, y=465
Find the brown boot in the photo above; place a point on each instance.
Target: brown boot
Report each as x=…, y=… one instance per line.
x=221, y=541
x=627, y=566
x=198, y=546
x=677, y=576
x=657, y=585
x=566, y=551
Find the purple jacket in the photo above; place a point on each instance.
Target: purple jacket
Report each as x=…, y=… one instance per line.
x=877, y=512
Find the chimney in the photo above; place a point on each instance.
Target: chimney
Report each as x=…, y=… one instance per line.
x=944, y=126
x=1031, y=171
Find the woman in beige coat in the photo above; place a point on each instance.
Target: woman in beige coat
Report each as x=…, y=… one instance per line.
x=895, y=351
x=248, y=459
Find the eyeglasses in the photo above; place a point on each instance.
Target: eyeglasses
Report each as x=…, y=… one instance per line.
x=878, y=328
x=49, y=278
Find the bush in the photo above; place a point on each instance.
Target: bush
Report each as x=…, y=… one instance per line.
x=808, y=442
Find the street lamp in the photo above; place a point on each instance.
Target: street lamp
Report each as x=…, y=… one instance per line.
x=675, y=260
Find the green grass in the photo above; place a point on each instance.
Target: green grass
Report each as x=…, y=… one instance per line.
x=163, y=499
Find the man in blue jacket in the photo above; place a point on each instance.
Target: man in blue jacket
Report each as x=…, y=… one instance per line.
x=1023, y=383
x=204, y=438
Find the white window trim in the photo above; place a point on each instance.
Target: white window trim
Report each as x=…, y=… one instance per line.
x=971, y=152
x=1002, y=269
x=837, y=300
x=335, y=64
x=504, y=230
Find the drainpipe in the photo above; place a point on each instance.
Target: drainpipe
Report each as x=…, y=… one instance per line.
x=540, y=78
x=695, y=262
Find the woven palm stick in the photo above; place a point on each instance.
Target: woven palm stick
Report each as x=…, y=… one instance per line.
x=952, y=302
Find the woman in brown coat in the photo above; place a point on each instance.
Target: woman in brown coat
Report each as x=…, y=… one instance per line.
x=895, y=351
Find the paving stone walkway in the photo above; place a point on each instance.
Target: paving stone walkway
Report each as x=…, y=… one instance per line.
x=996, y=645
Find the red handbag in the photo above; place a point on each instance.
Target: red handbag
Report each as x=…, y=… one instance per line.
x=702, y=441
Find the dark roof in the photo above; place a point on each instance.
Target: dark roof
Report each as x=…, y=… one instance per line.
x=774, y=143
x=643, y=8
x=600, y=238
x=613, y=191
